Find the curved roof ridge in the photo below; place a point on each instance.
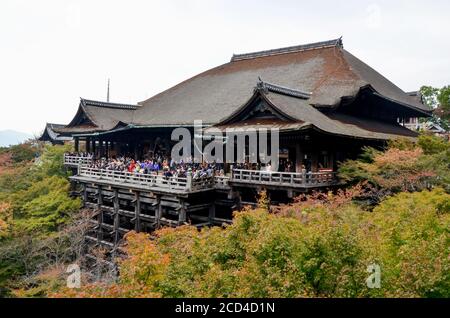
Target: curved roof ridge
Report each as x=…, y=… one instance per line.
x=261, y=85
x=289, y=49
x=90, y=102
x=380, y=83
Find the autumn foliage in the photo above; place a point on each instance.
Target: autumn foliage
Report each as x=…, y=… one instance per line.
x=395, y=213
x=34, y=207
x=403, y=167
x=301, y=251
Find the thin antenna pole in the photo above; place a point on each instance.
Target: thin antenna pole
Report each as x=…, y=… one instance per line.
x=107, y=94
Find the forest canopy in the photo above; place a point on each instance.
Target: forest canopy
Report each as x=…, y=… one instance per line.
x=394, y=214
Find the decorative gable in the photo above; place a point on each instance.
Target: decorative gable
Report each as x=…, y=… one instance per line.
x=259, y=106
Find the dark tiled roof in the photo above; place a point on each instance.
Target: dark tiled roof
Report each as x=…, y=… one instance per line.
x=305, y=116
x=50, y=133
x=269, y=87
x=348, y=126
x=298, y=79
x=88, y=102
x=380, y=83
x=417, y=95
x=102, y=116
x=327, y=71
x=290, y=49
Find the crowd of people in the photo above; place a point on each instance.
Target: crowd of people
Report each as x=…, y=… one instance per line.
x=80, y=154
x=284, y=166
x=163, y=165
x=159, y=165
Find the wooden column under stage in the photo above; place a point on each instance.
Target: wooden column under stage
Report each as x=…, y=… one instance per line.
x=298, y=158
x=77, y=144
x=88, y=145
x=137, y=212
x=100, y=214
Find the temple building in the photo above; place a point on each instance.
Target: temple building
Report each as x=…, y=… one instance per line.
x=318, y=91
x=326, y=104
x=50, y=135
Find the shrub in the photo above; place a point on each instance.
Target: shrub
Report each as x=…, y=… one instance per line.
x=322, y=252
x=403, y=167
x=23, y=152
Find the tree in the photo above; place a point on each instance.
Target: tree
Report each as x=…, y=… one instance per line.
x=34, y=206
x=444, y=102
x=439, y=101
x=429, y=95
x=324, y=250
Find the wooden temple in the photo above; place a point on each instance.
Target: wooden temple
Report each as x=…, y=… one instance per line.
x=326, y=104
x=51, y=136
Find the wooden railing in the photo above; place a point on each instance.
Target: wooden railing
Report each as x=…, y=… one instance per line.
x=293, y=179
x=187, y=184
x=76, y=160
x=221, y=182
x=148, y=180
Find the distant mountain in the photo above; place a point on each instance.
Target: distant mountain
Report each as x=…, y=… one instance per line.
x=11, y=137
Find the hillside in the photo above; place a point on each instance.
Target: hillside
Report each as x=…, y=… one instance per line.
x=12, y=137
x=393, y=218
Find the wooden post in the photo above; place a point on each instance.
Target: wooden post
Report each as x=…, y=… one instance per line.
x=94, y=148
x=298, y=158
x=85, y=196
x=116, y=217
x=87, y=145
x=77, y=144
x=212, y=213
x=137, y=212
x=100, y=215
x=189, y=181
x=100, y=148
x=182, y=213
x=290, y=193
x=158, y=211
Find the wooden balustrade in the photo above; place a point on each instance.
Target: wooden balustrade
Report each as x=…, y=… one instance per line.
x=221, y=182
x=292, y=179
x=148, y=180
x=187, y=184
x=76, y=160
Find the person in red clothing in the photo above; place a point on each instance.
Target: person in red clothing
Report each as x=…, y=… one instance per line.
x=132, y=166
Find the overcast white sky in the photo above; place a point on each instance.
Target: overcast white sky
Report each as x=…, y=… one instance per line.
x=54, y=52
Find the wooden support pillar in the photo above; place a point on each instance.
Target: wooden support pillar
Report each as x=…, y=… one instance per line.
x=158, y=211
x=100, y=214
x=182, y=213
x=88, y=145
x=77, y=144
x=94, y=147
x=189, y=181
x=290, y=193
x=137, y=212
x=101, y=147
x=212, y=213
x=315, y=161
x=238, y=199
x=85, y=194
x=298, y=157
x=116, y=217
